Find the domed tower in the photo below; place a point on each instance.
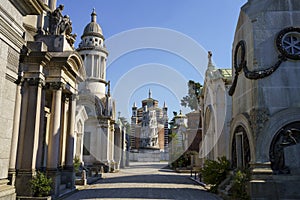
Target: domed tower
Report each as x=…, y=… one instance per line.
x=94, y=54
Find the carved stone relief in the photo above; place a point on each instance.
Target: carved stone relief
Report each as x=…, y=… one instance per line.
x=257, y=118
x=288, y=45
x=280, y=151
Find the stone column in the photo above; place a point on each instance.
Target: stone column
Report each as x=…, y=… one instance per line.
x=71, y=133
x=29, y=135
x=52, y=4
x=41, y=144
x=70, y=175
x=111, y=144
x=117, y=147
x=64, y=129
x=15, y=136
x=103, y=131
x=54, y=139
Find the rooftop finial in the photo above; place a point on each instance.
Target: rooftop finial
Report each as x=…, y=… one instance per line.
x=94, y=15
x=150, y=94
x=108, y=88
x=210, y=64
x=165, y=105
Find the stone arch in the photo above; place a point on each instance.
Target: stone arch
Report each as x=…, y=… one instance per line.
x=75, y=62
x=242, y=121
x=80, y=126
x=272, y=127
x=209, y=131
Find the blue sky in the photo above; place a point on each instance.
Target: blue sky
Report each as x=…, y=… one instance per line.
x=158, y=44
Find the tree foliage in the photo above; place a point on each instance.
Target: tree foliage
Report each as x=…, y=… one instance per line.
x=192, y=99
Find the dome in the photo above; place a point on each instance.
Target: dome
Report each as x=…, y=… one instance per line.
x=93, y=28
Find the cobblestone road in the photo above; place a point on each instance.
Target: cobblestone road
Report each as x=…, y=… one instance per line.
x=143, y=181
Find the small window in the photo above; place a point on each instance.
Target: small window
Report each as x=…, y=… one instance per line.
x=87, y=144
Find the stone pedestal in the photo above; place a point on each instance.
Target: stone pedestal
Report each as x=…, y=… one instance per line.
x=23, y=183
x=68, y=178
x=261, y=185
x=56, y=181
x=291, y=157
x=7, y=192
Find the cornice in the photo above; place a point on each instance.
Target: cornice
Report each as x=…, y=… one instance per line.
x=37, y=57
x=28, y=7
x=93, y=48
x=9, y=27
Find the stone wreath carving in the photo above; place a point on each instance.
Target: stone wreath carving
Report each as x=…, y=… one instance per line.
x=258, y=116
x=288, y=44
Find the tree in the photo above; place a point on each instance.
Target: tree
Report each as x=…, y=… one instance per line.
x=192, y=99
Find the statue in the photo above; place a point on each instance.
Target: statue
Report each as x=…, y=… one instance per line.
x=287, y=137
x=55, y=19
x=61, y=25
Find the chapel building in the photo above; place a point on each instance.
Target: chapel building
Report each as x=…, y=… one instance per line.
x=149, y=126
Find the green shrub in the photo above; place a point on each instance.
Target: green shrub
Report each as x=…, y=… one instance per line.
x=182, y=161
x=76, y=164
x=40, y=185
x=214, y=172
x=239, y=187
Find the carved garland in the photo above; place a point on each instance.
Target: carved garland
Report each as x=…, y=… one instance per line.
x=288, y=44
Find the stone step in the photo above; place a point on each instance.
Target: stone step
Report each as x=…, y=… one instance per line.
x=62, y=187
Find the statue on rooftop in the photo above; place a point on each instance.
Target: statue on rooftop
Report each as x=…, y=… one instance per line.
x=55, y=19
x=61, y=25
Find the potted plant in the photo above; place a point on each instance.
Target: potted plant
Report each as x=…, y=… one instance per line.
x=41, y=186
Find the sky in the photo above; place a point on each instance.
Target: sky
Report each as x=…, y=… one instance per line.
x=158, y=45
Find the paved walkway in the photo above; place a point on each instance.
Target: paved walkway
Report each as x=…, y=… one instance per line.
x=143, y=181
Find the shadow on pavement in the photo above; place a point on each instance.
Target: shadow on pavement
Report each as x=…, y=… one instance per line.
x=145, y=193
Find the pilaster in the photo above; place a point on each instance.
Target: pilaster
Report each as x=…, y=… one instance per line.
x=262, y=185
x=15, y=135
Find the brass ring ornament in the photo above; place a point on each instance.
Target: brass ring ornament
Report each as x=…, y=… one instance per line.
x=288, y=42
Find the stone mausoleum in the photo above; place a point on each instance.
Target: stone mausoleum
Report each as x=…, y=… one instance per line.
x=265, y=126
x=46, y=109
x=40, y=83
x=149, y=131
x=94, y=94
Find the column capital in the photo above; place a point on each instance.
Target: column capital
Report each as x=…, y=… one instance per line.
x=74, y=97
x=35, y=82
x=55, y=85
x=67, y=97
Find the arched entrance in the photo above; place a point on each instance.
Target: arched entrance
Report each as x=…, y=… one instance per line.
x=240, y=148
